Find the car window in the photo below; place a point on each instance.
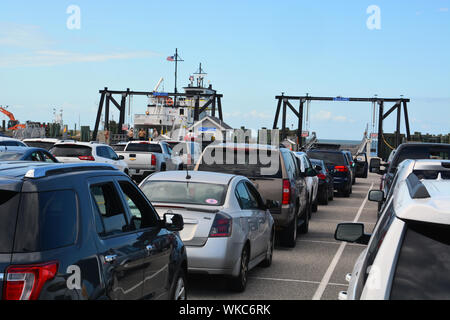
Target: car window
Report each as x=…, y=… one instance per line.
x=246, y=202
x=111, y=154
x=46, y=221
x=254, y=196
x=71, y=150
x=330, y=158
x=289, y=164
x=46, y=157
x=108, y=206
x=248, y=163
x=102, y=152
x=142, y=214
x=421, y=152
x=36, y=156
x=9, y=205
x=144, y=147
x=422, y=271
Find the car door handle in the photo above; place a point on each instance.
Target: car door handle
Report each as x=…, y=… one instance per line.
x=111, y=258
x=150, y=248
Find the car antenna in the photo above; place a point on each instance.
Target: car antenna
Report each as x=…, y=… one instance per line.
x=188, y=176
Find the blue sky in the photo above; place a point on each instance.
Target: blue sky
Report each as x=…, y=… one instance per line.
x=252, y=50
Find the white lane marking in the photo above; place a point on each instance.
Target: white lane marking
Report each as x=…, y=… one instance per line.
x=331, y=242
x=296, y=280
x=326, y=278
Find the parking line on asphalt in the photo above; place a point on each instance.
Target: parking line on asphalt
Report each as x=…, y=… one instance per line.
x=332, y=242
x=296, y=280
x=326, y=278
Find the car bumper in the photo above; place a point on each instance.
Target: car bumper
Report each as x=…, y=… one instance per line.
x=282, y=216
x=341, y=183
x=217, y=256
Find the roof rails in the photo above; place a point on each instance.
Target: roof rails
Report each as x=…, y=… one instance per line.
x=417, y=189
x=40, y=172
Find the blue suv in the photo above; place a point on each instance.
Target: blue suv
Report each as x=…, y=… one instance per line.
x=84, y=232
x=339, y=166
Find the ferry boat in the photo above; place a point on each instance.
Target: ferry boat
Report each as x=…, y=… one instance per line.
x=165, y=114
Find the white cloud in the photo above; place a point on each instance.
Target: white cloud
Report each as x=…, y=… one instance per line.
x=324, y=115
x=443, y=9
x=33, y=48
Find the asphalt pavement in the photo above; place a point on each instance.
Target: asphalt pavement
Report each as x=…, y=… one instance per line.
x=315, y=269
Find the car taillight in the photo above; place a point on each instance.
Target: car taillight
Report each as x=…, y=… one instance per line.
x=153, y=160
x=86, y=158
x=321, y=176
x=221, y=227
x=26, y=282
x=341, y=169
x=286, y=192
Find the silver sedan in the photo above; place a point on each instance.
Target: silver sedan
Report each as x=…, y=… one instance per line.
x=228, y=228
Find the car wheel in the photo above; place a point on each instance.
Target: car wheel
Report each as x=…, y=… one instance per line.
x=324, y=197
x=163, y=167
x=267, y=262
x=314, y=205
x=239, y=283
x=178, y=291
x=289, y=235
x=304, y=228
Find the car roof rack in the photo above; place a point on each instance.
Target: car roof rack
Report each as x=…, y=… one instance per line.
x=417, y=189
x=44, y=171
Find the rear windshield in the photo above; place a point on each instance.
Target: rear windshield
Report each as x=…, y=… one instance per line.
x=9, y=203
x=206, y=194
x=119, y=147
x=144, y=147
x=250, y=164
x=330, y=158
x=40, y=144
x=319, y=163
x=73, y=151
x=47, y=220
x=422, y=152
x=423, y=268
x=10, y=156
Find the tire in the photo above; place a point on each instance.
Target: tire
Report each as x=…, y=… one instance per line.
x=289, y=234
x=331, y=197
x=346, y=192
x=267, y=262
x=304, y=228
x=324, y=197
x=163, y=167
x=178, y=291
x=314, y=205
x=239, y=283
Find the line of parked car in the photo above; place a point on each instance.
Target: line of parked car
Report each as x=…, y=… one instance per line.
x=87, y=226
x=408, y=253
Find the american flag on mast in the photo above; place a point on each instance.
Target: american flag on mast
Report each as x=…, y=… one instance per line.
x=171, y=58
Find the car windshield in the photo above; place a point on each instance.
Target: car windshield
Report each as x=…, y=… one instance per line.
x=330, y=158
x=119, y=147
x=71, y=151
x=144, y=147
x=40, y=144
x=8, y=156
x=207, y=194
x=250, y=165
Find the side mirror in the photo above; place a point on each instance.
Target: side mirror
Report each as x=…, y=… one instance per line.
x=173, y=222
x=318, y=168
x=376, y=196
x=351, y=232
x=121, y=158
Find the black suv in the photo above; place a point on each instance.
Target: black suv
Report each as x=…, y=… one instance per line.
x=78, y=231
x=339, y=166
